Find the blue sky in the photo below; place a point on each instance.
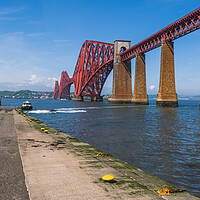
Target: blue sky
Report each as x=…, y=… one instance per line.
x=41, y=38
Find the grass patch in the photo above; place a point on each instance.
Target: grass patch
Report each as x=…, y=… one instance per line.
x=73, y=139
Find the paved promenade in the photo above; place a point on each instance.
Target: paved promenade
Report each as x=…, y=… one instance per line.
x=12, y=180
x=57, y=166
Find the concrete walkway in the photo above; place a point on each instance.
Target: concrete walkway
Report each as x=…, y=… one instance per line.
x=51, y=173
x=57, y=166
x=12, y=180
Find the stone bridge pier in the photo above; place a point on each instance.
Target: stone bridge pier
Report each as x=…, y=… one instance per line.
x=122, y=81
x=167, y=90
x=140, y=96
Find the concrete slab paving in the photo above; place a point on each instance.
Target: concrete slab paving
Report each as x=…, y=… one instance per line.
x=53, y=174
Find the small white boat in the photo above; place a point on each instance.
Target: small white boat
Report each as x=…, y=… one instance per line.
x=26, y=106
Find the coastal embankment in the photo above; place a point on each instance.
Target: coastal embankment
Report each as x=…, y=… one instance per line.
x=53, y=165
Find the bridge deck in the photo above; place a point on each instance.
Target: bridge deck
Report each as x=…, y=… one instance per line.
x=57, y=166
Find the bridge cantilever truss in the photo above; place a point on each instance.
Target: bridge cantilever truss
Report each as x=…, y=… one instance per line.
x=93, y=66
x=65, y=83
x=95, y=61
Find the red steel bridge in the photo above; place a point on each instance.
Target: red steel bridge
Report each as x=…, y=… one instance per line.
x=96, y=59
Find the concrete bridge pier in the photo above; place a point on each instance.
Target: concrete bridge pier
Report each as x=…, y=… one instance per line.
x=98, y=98
x=140, y=96
x=77, y=98
x=122, y=84
x=91, y=99
x=167, y=95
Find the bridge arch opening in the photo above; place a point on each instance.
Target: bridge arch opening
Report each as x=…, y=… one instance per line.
x=122, y=49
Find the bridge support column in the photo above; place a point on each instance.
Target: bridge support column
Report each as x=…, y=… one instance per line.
x=122, y=84
x=98, y=98
x=77, y=98
x=140, y=91
x=67, y=93
x=167, y=91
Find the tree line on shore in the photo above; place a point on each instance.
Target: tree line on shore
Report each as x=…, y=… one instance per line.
x=26, y=94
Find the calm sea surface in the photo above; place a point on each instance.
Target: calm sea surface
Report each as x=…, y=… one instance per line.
x=162, y=141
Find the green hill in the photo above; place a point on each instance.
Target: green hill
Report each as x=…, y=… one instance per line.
x=25, y=94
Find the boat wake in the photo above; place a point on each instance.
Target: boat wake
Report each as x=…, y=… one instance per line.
x=56, y=111
x=73, y=110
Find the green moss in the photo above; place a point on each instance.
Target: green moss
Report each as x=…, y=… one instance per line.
x=136, y=192
x=86, y=149
x=88, y=162
x=61, y=139
x=131, y=184
x=138, y=185
x=73, y=139
x=37, y=121
x=91, y=166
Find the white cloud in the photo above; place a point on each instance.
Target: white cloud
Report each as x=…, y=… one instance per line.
x=34, y=80
x=10, y=10
x=21, y=57
x=58, y=41
x=195, y=79
x=42, y=81
x=152, y=87
x=36, y=34
x=6, y=12
x=51, y=82
x=9, y=18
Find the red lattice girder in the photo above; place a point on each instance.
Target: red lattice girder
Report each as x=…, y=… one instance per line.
x=93, y=87
x=89, y=74
x=65, y=83
x=179, y=28
x=56, y=90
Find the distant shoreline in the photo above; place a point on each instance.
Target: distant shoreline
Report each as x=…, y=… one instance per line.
x=28, y=94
